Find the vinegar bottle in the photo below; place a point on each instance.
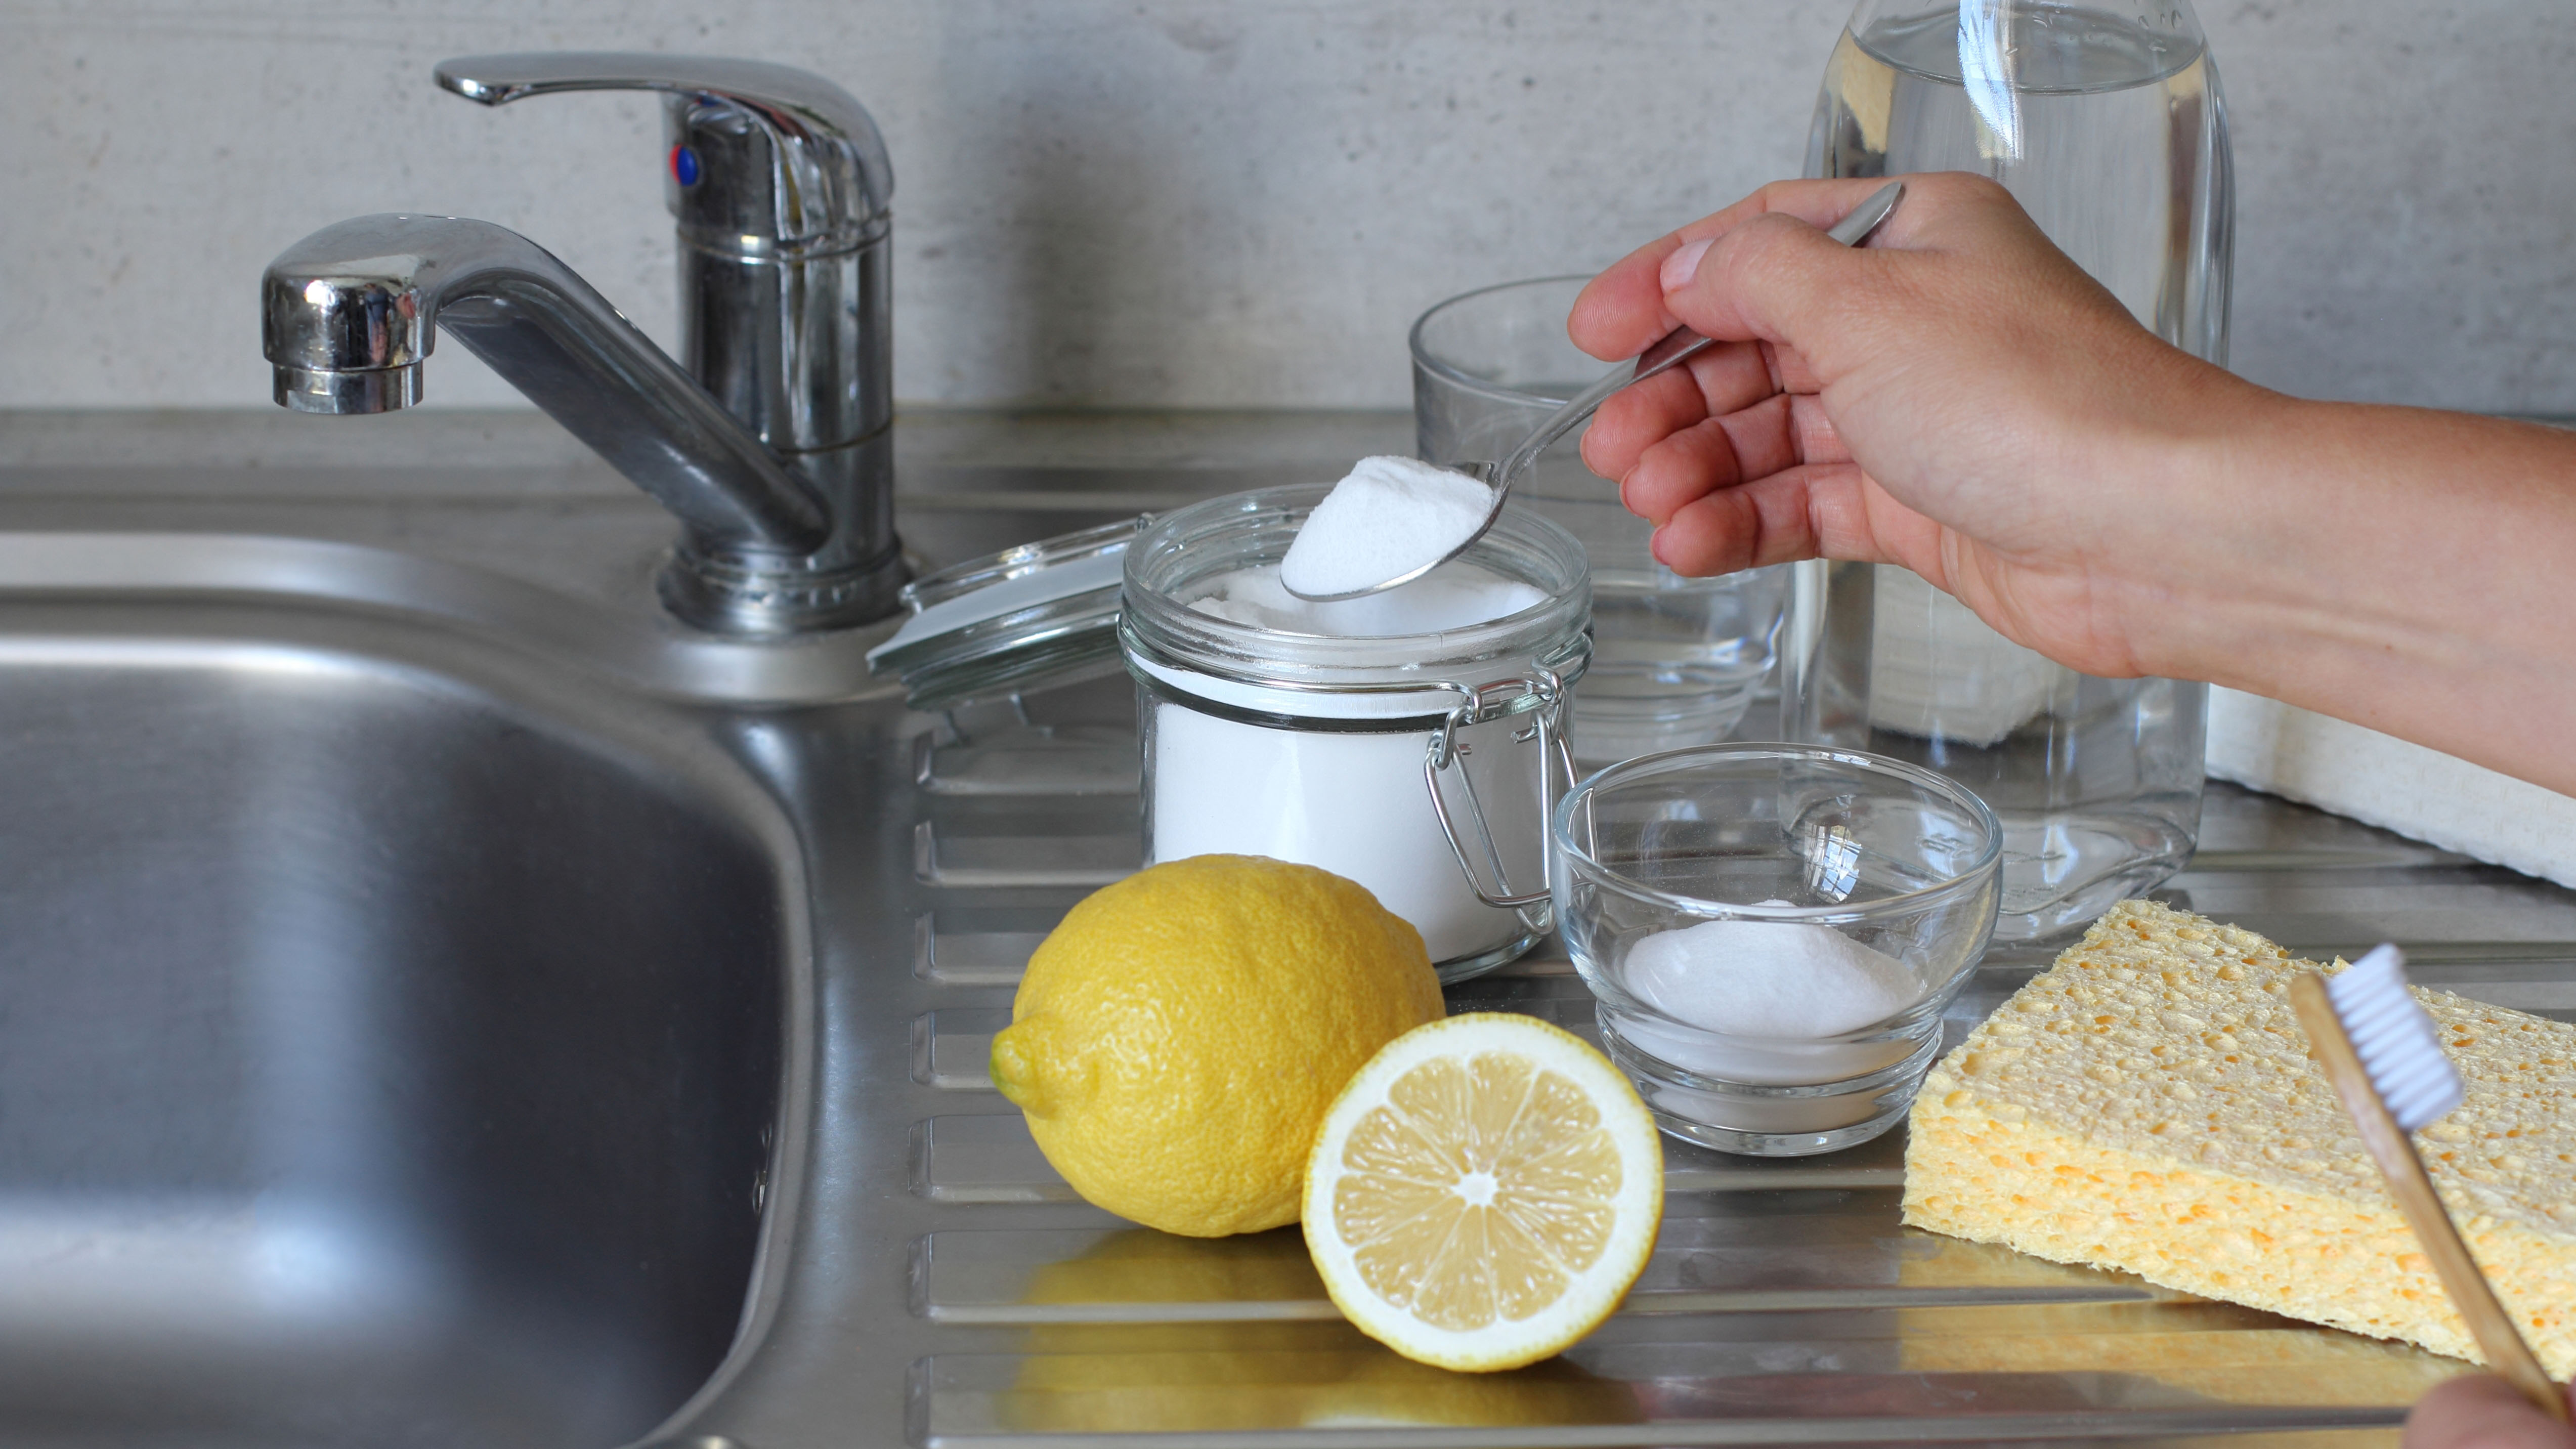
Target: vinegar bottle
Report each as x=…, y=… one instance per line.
x=2105, y=122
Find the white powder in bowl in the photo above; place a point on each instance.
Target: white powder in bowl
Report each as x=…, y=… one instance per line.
x=1390, y=517
x=1767, y=979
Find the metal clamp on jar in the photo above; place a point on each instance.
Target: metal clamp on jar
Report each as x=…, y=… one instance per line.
x=1422, y=765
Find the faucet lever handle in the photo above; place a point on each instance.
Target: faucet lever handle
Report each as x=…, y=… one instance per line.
x=763, y=157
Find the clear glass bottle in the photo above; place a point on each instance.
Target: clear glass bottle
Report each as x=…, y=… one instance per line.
x=2105, y=121
x=1321, y=748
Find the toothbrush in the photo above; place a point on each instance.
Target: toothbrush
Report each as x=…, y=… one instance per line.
x=2386, y=1062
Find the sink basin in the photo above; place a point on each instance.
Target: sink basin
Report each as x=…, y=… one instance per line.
x=391, y=1036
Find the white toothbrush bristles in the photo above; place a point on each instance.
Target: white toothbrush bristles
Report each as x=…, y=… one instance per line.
x=2395, y=1040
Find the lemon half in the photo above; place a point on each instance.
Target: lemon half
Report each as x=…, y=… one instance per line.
x=1483, y=1192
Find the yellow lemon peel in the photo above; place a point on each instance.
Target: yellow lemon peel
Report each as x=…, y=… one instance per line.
x=1178, y=1037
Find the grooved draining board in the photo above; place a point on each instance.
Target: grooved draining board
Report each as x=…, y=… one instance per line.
x=1784, y=1302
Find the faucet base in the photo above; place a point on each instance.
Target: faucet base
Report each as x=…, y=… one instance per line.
x=775, y=598
x=853, y=578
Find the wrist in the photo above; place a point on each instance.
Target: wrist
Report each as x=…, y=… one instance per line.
x=2202, y=554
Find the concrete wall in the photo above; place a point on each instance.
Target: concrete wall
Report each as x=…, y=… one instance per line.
x=1209, y=203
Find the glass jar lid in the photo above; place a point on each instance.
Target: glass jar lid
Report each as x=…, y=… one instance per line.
x=1032, y=614
x=1299, y=679
x=1051, y=612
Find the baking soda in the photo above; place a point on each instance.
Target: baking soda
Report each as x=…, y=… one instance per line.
x=1350, y=801
x=1390, y=517
x=1760, y=1001
x=1768, y=979
x=1451, y=597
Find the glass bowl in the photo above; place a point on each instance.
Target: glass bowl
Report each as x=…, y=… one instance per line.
x=1771, y=933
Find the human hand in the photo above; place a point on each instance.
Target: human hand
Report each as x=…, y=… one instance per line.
x=1959, y=398
x=2482, y=1411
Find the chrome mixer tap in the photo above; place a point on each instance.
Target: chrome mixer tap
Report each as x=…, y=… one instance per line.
x=775, y=445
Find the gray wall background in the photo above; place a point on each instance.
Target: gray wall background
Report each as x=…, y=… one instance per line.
x=1206, y=203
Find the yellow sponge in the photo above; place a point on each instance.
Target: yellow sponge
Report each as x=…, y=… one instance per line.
x=2148, y=1104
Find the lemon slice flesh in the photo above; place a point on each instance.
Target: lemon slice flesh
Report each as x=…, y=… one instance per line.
x=1483, y=1192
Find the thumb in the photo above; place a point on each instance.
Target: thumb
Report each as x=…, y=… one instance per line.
x=1772, y=279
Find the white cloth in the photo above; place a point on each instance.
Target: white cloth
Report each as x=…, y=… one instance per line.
x=2387, y=782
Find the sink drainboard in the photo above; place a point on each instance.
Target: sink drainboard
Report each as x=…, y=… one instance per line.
x=1784, y=1301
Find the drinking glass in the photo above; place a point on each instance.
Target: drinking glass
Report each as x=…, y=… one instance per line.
x=1676, y=661
x=2106, y=123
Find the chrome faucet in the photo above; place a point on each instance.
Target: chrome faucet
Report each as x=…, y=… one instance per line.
x=775, y=447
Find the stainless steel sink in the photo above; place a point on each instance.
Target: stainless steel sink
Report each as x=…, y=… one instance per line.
x=391, y=1044
x=441, y=1003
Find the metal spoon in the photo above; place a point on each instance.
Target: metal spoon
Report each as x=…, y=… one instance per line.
x=1676, y=347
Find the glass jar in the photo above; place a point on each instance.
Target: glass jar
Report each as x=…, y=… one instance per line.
x=2107, y=124
x=1422, y=765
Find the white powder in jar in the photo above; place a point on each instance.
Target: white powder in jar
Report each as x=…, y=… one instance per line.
x=1389, y=517
x=1350, y=802
x=1451, y=597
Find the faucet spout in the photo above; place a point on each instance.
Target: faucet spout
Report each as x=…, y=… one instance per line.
x=349, y=315
x=347, y=391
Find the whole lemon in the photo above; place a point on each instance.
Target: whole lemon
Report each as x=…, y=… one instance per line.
x=1178, y=1038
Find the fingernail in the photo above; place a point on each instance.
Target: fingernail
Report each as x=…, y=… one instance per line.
x=1655, y=547
x=1683, y=265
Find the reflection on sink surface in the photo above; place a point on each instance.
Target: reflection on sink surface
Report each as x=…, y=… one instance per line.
x=386, y=1055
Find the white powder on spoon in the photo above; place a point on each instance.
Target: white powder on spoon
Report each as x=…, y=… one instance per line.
x=1390, y=517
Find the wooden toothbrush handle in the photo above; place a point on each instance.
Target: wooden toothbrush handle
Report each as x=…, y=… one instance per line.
x=2412, y=1186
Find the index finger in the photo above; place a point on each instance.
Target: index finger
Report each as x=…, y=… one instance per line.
x=1621, y=312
